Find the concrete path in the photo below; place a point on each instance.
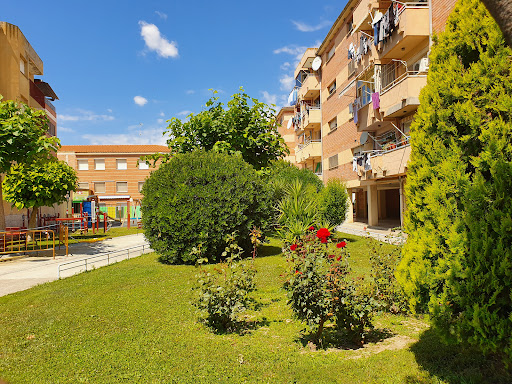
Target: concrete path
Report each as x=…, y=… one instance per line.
x=18, y=275
x=380, y=233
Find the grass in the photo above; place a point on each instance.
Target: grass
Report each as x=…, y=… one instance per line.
x=133, y=322
x=77, y=237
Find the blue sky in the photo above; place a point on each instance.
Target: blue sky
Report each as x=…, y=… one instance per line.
x=121, y=69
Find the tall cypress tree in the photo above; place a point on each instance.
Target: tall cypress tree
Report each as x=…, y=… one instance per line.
x=457, y=263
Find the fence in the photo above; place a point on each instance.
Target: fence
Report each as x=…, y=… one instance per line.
x=101, y=260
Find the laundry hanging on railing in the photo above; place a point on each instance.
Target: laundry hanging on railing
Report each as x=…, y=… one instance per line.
x=376, y=100
x=361, y=162
x=384, y=24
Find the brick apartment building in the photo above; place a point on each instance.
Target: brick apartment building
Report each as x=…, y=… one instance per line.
x=355, y=98
x=113, y=173
x=19, y=64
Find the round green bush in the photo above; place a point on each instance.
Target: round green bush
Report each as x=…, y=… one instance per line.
x=195, y=200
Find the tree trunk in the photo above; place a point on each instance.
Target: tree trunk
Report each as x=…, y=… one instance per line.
x=32, y=221
x=501, y=11
x=2, y=212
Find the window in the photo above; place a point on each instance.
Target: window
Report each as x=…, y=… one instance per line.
x=83, y=185
x=331, y=53
x=143, y=165
x=332, y=88
x=83, y=165
x=99, y=187
x=333, y=124
x=141, y=184
x=122, y=187
x=99, y=164
x=23, y=65
x=121, y=164
x=333, y=161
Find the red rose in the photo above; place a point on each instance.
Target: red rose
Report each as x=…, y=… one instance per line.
x=312, y=228
x=338, y=258
x=293, y=247
x=331, y=256
x=323, y=240
x=323, y=233
x=341, y=245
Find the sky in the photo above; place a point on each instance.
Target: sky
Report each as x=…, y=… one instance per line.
x=121, y=69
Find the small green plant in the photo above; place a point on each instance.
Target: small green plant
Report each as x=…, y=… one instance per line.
x=334, y=202
x=321, y=287
x=223, y=293
x=385, y=288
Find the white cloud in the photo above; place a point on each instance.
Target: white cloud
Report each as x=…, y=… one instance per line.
x=295, y=50
x=190, y=92
x=162, y=114
x=84, y=115
x=139, y=100
x=184, y=113
x=156, y=42
x=65, y=129
x=160, y=121
x=286, y=66
x=162, y=15
x=109, y=110
x=269, y=98
x=303, y=27
x=287, y=82
x=143, y=137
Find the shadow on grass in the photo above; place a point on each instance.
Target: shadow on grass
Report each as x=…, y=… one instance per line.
x=268, y=250
x=340, y=340
x=456, y=364
x=241, y=327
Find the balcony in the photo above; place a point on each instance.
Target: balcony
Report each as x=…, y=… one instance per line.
x=392, y=161
x=312, y=118
x=413, y=30
x=388, y=162
x=401, y=97
x=310, y=150
x=398, y=99
x=310, y=88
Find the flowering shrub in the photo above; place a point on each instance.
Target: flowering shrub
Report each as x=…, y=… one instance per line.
x=321, y=287
x=223, y=294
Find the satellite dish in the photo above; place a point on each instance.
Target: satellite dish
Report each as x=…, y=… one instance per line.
x=364, y=138
x=290, y=123
x=316, y=63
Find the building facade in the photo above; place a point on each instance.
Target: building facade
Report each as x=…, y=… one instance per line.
x=112, y=173
x=19, y=64
x=356, y=96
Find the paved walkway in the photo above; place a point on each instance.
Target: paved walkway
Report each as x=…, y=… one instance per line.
x=380, y=233
x=20, y=274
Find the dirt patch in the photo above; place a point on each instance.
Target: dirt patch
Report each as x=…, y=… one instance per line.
x=392, y=344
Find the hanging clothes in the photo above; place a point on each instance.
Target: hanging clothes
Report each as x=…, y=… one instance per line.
x=354, y=163
x=367, y=162
x=356, y=111
x=376, y=30
x=376, y=100
x=377, y=77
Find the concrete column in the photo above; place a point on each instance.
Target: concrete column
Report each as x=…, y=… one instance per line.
x=350, y=211
x=373, y=205
x=402, y=203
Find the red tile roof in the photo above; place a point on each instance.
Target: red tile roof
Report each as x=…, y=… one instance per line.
x=114, y=148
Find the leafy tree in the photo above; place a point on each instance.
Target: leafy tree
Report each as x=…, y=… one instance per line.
x=457, y=262
x=22, y=139
x=39, y=184
x=247, y=127
x=195, y=199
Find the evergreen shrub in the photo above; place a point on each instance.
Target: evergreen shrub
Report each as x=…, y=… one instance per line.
x=457, y=262
x=197, y=198
x=334, y=202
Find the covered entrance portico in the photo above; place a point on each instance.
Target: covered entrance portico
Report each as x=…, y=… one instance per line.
x=378, y=203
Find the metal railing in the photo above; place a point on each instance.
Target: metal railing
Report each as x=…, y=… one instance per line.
x=97, y=261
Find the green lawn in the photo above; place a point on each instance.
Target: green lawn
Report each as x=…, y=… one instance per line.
x=77, y=237
x=133, y=322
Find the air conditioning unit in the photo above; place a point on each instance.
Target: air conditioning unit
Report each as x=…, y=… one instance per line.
x=423, y=65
